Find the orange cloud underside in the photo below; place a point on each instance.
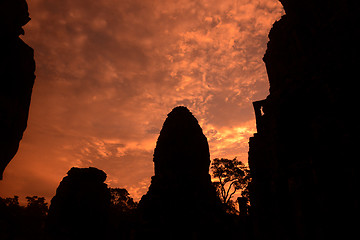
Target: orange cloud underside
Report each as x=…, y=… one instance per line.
x=109, y=71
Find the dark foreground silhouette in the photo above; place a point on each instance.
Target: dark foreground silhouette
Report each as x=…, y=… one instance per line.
x=80, y=208
x=17, y=67
x=303, y=158
x=22, y=222
x=182, y=202
x=30, y=222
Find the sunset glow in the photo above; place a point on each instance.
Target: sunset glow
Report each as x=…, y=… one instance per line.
x=108, y=72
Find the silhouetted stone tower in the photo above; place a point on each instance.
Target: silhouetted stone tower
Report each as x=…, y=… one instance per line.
x=17, y=67
x=182, y=150
x=304, y=157
x=181, y=202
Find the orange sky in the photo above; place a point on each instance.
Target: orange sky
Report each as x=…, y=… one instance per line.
x=109, y=71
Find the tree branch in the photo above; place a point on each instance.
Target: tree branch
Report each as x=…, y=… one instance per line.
x=232, y=194
x=222, y=189
x=227, y=193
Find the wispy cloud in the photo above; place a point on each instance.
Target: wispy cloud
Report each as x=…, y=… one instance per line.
x=109, y=71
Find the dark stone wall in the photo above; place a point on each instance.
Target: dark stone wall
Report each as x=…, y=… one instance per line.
x=17, y=67
x=303, y=158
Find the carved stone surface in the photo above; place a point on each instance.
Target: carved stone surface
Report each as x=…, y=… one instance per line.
x=303, y=158
x=17, y=67
x=181, y=202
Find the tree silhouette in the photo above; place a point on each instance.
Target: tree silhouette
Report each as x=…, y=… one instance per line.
x=10, y=212
x=11, y=201
x=231, y=176
x=37, y=205
x=122, y=216
x=22, y=222
x=34, y=217
x=121, y=200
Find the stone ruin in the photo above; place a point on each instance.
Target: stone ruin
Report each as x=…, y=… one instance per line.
x=17, y=67
x=80, y=208
x=181, y=202
x=303, y=158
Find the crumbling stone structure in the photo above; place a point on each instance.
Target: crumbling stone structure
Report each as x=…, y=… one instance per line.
x=17, y=67
x=181, y=202
x=303, y=158
x=80, y=208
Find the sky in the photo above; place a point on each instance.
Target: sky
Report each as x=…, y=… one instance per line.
x=109, y=71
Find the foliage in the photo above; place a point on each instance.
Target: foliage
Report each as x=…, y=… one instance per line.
x=37, y=206
x=121, y=200
x=22, y=222
x=123, y=213
x=231, y=176
x=11, y=202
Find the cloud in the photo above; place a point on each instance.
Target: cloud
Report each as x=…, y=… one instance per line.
x=109, y=71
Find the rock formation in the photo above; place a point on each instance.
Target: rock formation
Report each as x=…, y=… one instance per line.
x=79, y=210
x=181, y=202
x=17, y=67
x=303, y=156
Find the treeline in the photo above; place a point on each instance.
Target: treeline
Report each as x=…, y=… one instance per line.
x=19, y=222
x=22, y=222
